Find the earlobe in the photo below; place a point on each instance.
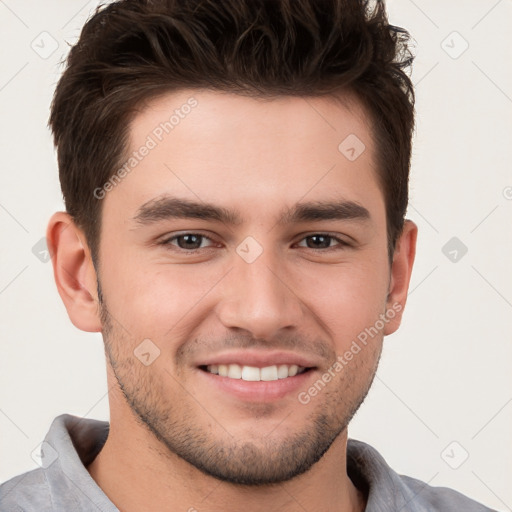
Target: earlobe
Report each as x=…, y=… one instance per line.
x=74, y=272
x=401, y=270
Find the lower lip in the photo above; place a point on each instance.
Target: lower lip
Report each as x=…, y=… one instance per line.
x=259, y=391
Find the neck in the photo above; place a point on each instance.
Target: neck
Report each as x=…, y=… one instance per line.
x=137, y=472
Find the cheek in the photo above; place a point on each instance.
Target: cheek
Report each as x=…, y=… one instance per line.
x=348, y=298
x=157, y=299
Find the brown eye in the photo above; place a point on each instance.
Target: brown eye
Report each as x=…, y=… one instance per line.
x=323, y=241
x=187, y=241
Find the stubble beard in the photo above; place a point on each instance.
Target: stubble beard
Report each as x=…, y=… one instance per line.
x=269, y=459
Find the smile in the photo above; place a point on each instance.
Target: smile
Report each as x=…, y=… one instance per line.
x=253, y=373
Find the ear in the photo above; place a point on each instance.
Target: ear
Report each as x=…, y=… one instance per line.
x=401, y=269
x=74, y=272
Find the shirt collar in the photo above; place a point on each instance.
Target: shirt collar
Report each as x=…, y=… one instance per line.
x=77, y=441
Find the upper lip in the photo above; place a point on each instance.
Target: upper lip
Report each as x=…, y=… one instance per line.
x=259, y=358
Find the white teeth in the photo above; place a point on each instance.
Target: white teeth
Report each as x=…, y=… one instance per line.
x=253, y=373
x=292, y=371
x=234, y=371
x=250, y=373
x=269, y=373
x=282, y=371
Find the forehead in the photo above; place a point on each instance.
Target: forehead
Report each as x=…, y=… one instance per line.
x=258, y=153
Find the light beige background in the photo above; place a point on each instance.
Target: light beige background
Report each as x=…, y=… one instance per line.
x=444, y=377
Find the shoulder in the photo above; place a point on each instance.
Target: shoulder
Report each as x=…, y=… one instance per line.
x=440, y=498
x=389, y=491
x=26, y=492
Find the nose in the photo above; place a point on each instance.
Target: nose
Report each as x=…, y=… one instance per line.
x=259, y=297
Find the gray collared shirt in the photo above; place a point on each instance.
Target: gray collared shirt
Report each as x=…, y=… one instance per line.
x=63, y=484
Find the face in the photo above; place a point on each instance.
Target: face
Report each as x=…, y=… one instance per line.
x=243, y=258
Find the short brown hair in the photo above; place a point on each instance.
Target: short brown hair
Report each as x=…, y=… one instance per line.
x=131, y=51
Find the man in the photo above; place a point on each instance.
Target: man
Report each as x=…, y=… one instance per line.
x=235, y=178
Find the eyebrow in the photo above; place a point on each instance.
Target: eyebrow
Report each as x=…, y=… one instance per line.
x=168, y=207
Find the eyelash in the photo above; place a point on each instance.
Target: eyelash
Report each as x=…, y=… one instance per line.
x=167, y=242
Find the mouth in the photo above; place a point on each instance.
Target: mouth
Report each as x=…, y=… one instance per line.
x=255, y=373
x=257, y=376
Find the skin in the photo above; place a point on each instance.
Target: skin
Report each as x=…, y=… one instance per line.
x=176, y=441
